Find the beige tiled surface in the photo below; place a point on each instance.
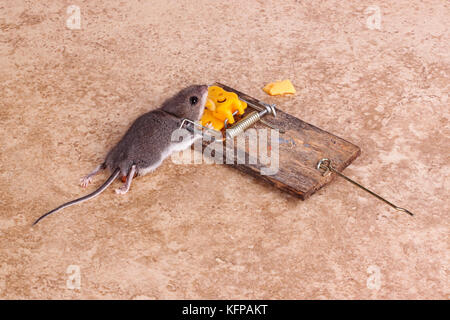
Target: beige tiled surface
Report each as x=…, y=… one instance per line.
x=66, y=96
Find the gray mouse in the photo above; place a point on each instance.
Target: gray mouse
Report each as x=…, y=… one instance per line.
x=147, y=142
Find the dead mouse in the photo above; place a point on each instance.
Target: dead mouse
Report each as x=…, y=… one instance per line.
x=147, y=142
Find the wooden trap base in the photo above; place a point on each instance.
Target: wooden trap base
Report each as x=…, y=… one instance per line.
x=301, y=146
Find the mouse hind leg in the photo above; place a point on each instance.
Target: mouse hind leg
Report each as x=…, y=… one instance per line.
x=84, y=181
x=124, y=189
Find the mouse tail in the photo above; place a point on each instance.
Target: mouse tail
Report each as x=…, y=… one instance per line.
x=105, y=185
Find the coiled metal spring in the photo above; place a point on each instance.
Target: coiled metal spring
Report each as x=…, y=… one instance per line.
x=243, y=124
x=249, y=120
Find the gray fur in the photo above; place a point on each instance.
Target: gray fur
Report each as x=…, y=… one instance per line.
x=146, y=143
x=150, y=134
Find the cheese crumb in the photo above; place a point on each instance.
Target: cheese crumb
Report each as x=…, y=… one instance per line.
x=279, y=87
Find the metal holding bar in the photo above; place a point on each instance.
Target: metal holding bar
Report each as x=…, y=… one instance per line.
x=325, y=165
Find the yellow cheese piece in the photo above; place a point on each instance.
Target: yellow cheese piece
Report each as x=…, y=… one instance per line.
x=209, y=119
x=279, y=87
x=220, y=106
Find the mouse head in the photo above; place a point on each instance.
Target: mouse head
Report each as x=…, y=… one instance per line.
x=189, y=103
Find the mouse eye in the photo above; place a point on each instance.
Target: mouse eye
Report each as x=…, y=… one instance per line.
x=193, y=100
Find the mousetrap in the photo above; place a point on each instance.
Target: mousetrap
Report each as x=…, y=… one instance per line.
x=300, y=146
x=308, y=157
